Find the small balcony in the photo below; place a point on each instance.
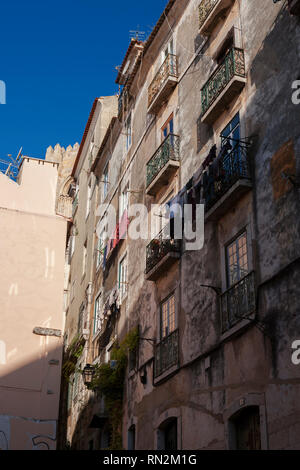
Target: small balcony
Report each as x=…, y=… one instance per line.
x=167, y=354
x=238, y=302
x=161, y=253
x=163, y=165
x=223, y=86
x=227, y=179
x=74, y=205
x=162, y=84
x=210, y=12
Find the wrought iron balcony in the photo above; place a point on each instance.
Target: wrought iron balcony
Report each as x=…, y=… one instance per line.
x=225, y=83
x=238, y=302
x=74, y=205
x=162, y=84
x=227, y=178
x=163, y=164
x=161, y=252
x=209, y=12
x=167, y=353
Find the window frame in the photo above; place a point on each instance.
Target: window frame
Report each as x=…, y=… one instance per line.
x=98, y=305
x=234, y=240
x=123, y=289
x=162, y=303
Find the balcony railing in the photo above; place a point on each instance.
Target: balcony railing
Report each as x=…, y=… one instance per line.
x=210, y=12
x=168, y=150
x=229, y=167
x=74, y=205
x=238, y=302
x=205, y=8
x=167, y=70
x=160, y=247
x=233, y=65
x=167, y=353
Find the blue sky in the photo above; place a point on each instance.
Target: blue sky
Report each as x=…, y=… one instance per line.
x=55, y=58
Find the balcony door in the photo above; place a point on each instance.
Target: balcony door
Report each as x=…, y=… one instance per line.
x=167, y=317
x=230, y=142
x=237, y=260
x=247, y=429
x=167, y=128
x=168, y=51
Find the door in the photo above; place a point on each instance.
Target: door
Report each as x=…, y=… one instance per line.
x=171, y=436
x=247, y=427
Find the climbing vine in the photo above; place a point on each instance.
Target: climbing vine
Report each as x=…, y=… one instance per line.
x=109, y=378
x=73, y=353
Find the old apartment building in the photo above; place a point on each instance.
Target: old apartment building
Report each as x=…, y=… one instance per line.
x=204, y=116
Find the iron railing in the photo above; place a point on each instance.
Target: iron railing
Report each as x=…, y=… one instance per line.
x=167, y=353
x=205, y=8
x=230, y=166
x=168, y=69
x=160, y=246
x=233, y=64
x=238, y=302
x=74, y=205
x=168, y=150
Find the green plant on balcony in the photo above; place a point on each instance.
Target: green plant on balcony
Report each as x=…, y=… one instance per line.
x=109, y=381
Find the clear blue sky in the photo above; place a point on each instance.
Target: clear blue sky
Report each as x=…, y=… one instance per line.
x=56, y=57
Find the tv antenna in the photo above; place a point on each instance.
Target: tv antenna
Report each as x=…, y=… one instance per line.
x=11, y=167
x=137, y=34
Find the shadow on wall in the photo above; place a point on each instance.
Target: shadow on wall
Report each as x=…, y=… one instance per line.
x=29, y=400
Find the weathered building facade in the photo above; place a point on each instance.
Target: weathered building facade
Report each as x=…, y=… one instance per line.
x=206, y=116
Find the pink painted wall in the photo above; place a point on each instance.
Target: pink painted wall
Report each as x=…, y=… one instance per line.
x=32, y=246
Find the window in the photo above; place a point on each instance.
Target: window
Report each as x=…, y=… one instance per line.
x=71, y=247
x=77, y=377
x=97, y=314
x=105, y=183
x=167, y=317
x=99, y=249
x=122, y=278
x=128, y=132
x=123, y=201
x=237, y=259
x=84, y=260
x=232, y=131
x=73, y=289
x=131, y=438
x=168, y=127
x=168, y=49
x=167, y=435
x=88, y=200
x=81, y=319
x=228, y=44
